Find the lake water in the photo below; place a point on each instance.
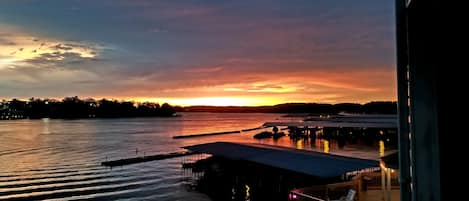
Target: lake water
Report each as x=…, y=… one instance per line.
x=60, y=159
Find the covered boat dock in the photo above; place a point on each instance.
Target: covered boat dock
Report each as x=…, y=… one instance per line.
x=330, y=124
x=343, y=128
x=311, y=163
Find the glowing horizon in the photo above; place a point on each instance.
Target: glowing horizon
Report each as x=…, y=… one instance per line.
x=207, y=101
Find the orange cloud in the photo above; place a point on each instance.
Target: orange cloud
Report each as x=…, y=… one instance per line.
x=320, y=85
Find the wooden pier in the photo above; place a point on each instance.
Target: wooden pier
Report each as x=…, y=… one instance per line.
x=205, y=134
x=128, y=161
x=217, y=133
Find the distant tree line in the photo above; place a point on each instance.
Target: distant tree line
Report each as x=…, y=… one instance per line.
x=377, y=107
x=73, y=108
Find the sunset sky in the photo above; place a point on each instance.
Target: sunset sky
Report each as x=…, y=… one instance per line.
x=204, y=52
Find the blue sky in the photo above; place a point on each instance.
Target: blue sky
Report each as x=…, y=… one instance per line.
x=187, y=52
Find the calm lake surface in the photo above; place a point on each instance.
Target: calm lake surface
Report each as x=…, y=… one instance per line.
x=60, y=159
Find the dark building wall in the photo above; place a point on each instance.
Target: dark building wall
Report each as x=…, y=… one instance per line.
x=429, y=77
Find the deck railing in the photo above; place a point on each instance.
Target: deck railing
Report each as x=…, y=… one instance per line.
x=360, y=183
x=324, y=192
x=373, y=180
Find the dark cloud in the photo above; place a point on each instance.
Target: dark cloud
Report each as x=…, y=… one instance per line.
x=61, y=47
x=58, y=59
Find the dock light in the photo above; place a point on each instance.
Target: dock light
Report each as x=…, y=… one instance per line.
x=248, y=194
x=292, y=196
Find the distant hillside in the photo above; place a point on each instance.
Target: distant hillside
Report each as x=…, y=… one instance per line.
x=368, y=108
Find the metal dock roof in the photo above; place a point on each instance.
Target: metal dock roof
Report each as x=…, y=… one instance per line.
x=307, y=162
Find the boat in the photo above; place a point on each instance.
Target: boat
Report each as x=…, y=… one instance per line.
x=263, y=134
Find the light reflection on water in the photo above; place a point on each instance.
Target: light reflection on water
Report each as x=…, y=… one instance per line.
x=326, y=146
x=58, y=159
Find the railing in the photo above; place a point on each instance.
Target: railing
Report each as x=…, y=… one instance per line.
x=373, y=180
x=301, y=196
x=324, y=192
x=361, y=182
